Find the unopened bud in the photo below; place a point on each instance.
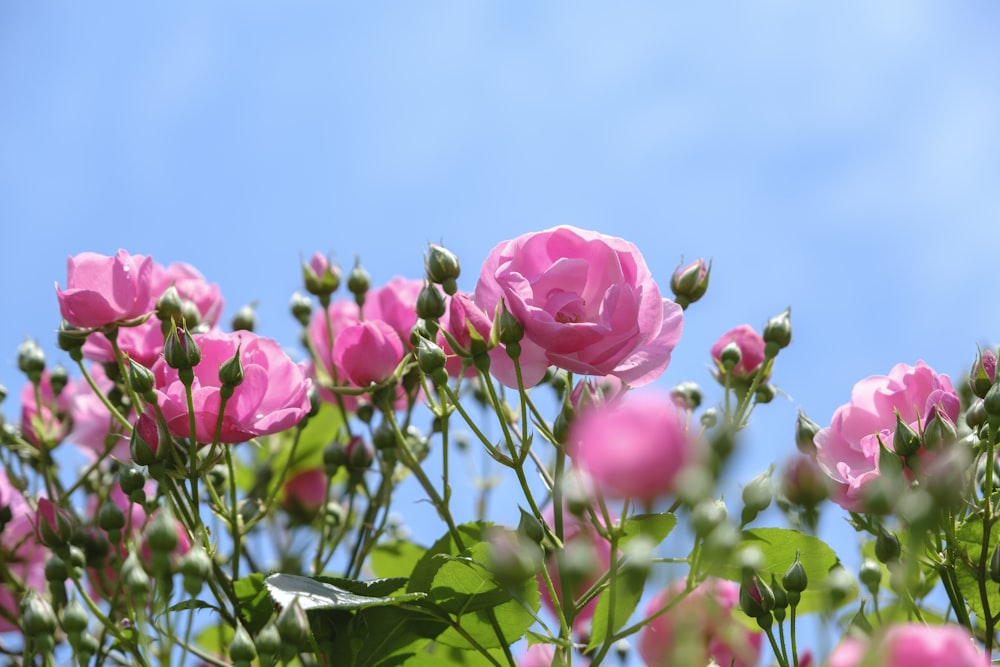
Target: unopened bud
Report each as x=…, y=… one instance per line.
x=71, y=339
x=795, y=580
x=320, y=276
x=169, y=305
x=730, y=356
x=358, y=282
x=778, y=332
x=231, y=370
x=870, y=575
x=245, y=319
x=37, y=616
x=292, y=624
x=887, y=547
x=140, y=377
x=530, y=527
x=301, y=307
x=161, y=533
x=242, y=648
x=74, y=618
x=805, y=430
x=905, y=441
x=195, y=567
x=706, y=515
x=983, y=373
x=690, y=282
x=510, y=330
x=430, y=302
x=687, y=395
x=58, y=379
x=179, y=350
x=442, y=265
x=268, y=641
x=110, y=517
x=31, y=360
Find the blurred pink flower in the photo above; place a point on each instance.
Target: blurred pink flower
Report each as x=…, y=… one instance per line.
x=103, y=290
x=395, y=303
x=273, y=396
x=587, y=302
x=912, y=645
x=848, y=449
x=698, y=628
x=51, y=423
x=93, y=425
x=305, y=492
x=539, y=655
x=634, y=447
x=23, y=556
x=751, y=346
x=367, y=352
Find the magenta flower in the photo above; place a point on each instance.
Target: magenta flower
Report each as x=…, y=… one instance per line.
x=367, y=352
x=848, y=449
x=462, y=317
x=272, y=397
x=395, y=303
x=305, y=492
x=912, y=645
x=751, y=346
x=101, y=291
x=699, y=628
x=633, y=447
x=587, y=302
x=538, y=655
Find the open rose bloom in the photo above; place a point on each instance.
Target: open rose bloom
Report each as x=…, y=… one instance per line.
x=587, y=302
x=848, y=450
x=912, y=645
x=101, y=291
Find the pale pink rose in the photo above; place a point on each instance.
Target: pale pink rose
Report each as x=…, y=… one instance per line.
x=539, y=655
x=587, y=302
x=582, y=544
x=912, y=645
x=93, y=425
x=848, y=449
x=462, y=314
x=751, y=346
x=342, y=314
x=395, y=303
x=305, y=492
x=699, y=628
x=144, y=343
x=102, y=290
x=367, y=352
x=51, y=423
x=634, y=447
x=273, y=396
x=23, y=556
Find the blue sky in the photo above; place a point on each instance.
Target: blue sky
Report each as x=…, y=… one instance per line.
x=842, y=159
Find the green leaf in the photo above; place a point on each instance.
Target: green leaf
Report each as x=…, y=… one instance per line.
x=390, y=635
x=656, y=527
x=191, y=604
x=627, y=585
x=970, y=537
x=315, y=594
x=396, y=559
x=254, y=602
x=439, y=655
x=779, y=546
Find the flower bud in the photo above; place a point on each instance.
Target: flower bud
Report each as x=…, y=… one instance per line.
x=511, y=559
x=110, y=517
x=442, y=266
x=179, y=350
x=976, y=415
x=939, y=432
x=56, y=570
x=245, y=319
x=778, y=332
x=195, y=567
x=135, y=581
x=359, y=455
x=870, y=575
x=751, y=599
x=530, y=527
x=169, y=305
x=803, y=483
x=358, y=282
x=140, y=377
x=730, y=355
x=839, y=586
x=161, y=533
x=430, y=303
x=320, y=276
x=71, y=339
x=38, y=619
x=690, y=282
x=706, y=515
x=764, y=394
x=52, y=524
x=686, y=395
x=905, y=441
x=301, y=307
x=887, y=548
x=292, y=623
x=231, y=370
x=31, y=360
x=242, y=648
x=709, y=418
x=795, y=580
x=430, y=356
x=983, y=373
x=74, y=618
x=756, y=496
x=268, y=641
x=144, y=443
x=58, y=379
x=805, y=430
x=510, y=330
x=130, y=479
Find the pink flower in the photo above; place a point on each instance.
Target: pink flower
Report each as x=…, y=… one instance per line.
x=589, y=553
x=596, y=391
x=395, y=303
x=144, y=343
x=49, y=423
x=272, y=397
x=751, y=346
x=912, y=645
x=101, y=290
x=462, y=314
x=367, y=352
x=633, y=447
x=848, y=449
x=305, y=492
x=23, y=556
x=587, y=302
x=539, y=655
x=698, y=628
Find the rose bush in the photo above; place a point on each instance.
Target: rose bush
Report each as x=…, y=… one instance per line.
x=588, y=304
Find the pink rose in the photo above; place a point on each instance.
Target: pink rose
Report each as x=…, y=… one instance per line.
x=848, y=449
x=49, y=423
x=93, y=425
x=23, y=556
x=144, y=343
x=698, y=628
x=633, y=447
x=912, y=645
x=462, y=314
x=395, y=303
x=305, y=492
x=587, y=302
x=539, y=655
x=585, y=548
x=751, y=346
x=101, y=290
x=342, y=314
x=273, y=396
x=367, y=352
